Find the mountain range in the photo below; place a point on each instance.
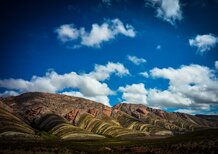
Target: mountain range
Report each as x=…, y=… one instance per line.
x=30, y=115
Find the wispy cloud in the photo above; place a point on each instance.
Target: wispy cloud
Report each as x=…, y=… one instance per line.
x=107, y=2
x=145, y=74
x=135, y=60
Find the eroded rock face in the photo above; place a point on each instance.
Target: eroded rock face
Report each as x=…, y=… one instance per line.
x=71, y=116
x=31, y=114
x=35, y=112
x=93, y=112
x=142, y=111
x=107, y=111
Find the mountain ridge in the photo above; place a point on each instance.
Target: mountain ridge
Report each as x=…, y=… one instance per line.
x=68, y=117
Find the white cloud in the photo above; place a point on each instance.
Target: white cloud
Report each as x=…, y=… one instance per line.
x=145, y=74
x=216, y=64
x=101, y=99
x=197, y=83
x=53, y=82
x=204, y=42
x=168, y=10
x=98, y=33
x=9, y=93
x=166, y=98
x=89, y=85
x=192, y=87
x=135, y=93
x=102, y=72
x=135, y=60
x=67, y=33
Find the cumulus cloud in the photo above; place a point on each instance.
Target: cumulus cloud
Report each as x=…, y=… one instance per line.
x=54, y=82
x=166, y=99
x=135, y=60
x=88, y=85
x=135, y=93
x=198, y=84
x=168, y=10
x=97, y=35
x=192, y=87
x=103, y=72
x=145, y=74
x=203, y=42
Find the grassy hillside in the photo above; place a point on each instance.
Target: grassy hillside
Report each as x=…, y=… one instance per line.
x=14, y=128
x=58, y=126
x=101, y=127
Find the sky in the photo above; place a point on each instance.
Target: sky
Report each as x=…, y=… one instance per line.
x=160, y=53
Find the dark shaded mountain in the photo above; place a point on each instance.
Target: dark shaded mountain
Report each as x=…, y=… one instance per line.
x=68, y=117
x=212, y=118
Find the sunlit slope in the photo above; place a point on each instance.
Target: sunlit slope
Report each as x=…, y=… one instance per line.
x=176, y=122
x=58, y=126
x=101, y=127
x=130, y=122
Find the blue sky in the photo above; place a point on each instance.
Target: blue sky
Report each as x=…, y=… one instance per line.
x=99, y=49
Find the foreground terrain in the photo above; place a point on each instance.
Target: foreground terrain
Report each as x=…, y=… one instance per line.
x=204, y=141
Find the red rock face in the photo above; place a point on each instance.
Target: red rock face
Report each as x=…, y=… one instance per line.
x=71, y=116
x=160, y=113
x=107, y=111
x=116, y=110
x=142, y=111
x=93, y=112
x=32, y=113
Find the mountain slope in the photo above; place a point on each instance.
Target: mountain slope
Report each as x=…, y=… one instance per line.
x=11, y=126
x=68, y=117
x=172, y=121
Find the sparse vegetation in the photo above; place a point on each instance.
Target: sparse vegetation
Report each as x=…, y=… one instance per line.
x=98, y=126
x=204, y=141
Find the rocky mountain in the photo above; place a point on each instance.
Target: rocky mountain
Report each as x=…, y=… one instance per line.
x=68, y=117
